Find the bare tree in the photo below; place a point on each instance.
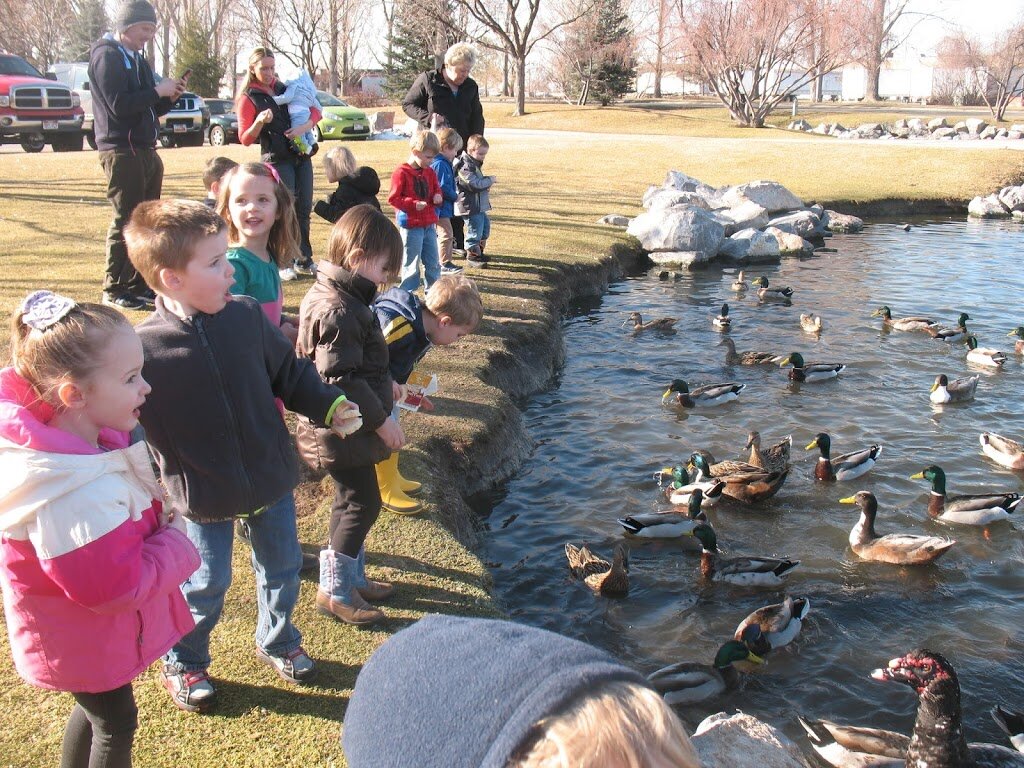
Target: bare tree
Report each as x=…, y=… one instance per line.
x=878, y=28
x=755, y=53
x=996, y=69
x=35, y=32
x=514, y=25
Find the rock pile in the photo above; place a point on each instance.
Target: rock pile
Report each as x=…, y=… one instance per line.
x=688, y=222
x=1008, y=201
x=971, y=129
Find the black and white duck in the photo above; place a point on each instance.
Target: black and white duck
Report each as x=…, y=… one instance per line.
x=666, y=525
x=952, y=335
x=955, y=391
x=766, y=293
x=689, y=682
x=975, y=509
x=808, y=372
x=849, y=466
x=743, y=571
x=708, y=396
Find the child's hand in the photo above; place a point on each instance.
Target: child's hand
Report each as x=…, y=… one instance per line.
x=438, y=199
x=391, y=434
x=346, y=419
x=397, y=391
x=420, y=205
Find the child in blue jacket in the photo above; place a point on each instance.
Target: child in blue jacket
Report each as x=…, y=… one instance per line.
x=451, y=143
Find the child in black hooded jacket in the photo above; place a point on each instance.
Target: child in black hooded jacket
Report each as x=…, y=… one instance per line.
x=357, y=185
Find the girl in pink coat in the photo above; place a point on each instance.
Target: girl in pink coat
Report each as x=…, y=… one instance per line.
x=89, y=564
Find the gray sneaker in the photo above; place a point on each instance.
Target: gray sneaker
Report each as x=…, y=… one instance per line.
x=450, y=269
x=293, y=667
x=190, y=691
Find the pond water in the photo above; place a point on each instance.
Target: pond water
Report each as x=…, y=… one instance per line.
x=601, y=431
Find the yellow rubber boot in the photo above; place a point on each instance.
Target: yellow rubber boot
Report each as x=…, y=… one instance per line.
x=407, y=486
x=392, y=497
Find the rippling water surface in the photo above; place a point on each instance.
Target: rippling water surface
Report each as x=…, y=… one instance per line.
x=601, y=431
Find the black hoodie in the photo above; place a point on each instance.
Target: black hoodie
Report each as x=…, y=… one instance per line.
x=125, y=103
x=362, y=187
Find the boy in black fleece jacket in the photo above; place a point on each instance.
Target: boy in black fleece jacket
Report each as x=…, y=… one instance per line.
x=216, y=364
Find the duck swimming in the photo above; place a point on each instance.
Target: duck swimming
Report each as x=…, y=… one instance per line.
x=913, y=323
x=689, y=682
x=609, y=579
x=764, y=293
x=810, y=323
x=739, y=284
x=895, y=548
x=808, y=372
x=732, y=357
x=956, y=391
x=777, y=624
x=1018, y=345
x=679, y=488
x=951, y=335
x=743, y=571
x=773, y=459
x=743, y=482
x=1002, y=450
x=661, y=324
x=723, y=320
x=849, y=466
x=666, y=525
x=709, y=396
x=976, y=509
x=990, y=358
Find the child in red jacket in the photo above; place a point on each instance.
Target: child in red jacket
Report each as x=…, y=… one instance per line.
x=414, y=193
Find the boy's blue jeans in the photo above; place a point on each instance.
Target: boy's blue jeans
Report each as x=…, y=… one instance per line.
x=276, y=559
x=420, y=245
x=478, y=227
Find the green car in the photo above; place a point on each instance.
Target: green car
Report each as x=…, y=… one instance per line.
x=340, y=121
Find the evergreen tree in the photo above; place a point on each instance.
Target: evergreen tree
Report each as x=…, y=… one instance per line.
x=195, y=52
x=421, y=34
x=88, y=26
x=615, y=64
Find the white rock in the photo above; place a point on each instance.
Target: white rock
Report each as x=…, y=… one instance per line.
x=667, y=198
x=986, y=208
x=976, y=125
x=823, y=128
x=916, y=124
x=685, y=228
x=679, y=259
x=682, y=182
x=1013, y=134
x=961, y=127
x=788, y=242
x=770, y=195
x=750, y=246
x=989, y=132
x=841, y=222
x=614, y=220
x=742, y=741
x=868, y=129
x=1017, y=215
x=803, y=223
x=943, y=133
x=1012, y=198
x=743, y=216
x=1018, y=127
x=381, y=121
x=799, y=125
x=938, y=122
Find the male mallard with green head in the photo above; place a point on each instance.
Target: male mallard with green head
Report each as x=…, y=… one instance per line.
x=975, y=509
x=777, y=625
x=743, y=482
x=743, y=571
x=708, y=396
x=912, y=323
x=846, y=467
x=990, y=358
x=951, y=335
x=666, y=525
x=765, y=293
x=1018, y=345
x=808, y=372
x=689, y=682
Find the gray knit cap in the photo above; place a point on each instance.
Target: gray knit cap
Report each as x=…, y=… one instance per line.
x=133, y=12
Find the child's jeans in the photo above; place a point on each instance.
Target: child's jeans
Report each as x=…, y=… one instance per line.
x=276, y=559
x=420, y=245
x=445, y=239
x=478, y=228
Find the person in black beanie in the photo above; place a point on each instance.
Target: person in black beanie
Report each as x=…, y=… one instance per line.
x=452, y=692
x=127, y=102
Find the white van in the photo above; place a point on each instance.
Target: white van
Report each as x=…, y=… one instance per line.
x=75, y=75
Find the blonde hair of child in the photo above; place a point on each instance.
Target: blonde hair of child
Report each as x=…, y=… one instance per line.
x=449, y=138
x=71, y=348
x=475, y=141
x=365, y=232
x=284, y=234
x=619, y=724
x=425, y=141
x=458, y=297
x=163, y=234
x=339, y=163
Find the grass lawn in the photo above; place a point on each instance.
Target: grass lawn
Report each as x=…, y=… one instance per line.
x=551, y=190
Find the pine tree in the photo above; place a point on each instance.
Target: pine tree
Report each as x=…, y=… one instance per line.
x=194, y=52
x=417, y=43
x=615, y=70
x=90, y=24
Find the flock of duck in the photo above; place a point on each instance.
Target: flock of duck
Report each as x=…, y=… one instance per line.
x=938, y=739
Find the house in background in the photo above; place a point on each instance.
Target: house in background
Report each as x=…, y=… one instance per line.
x=908, y=78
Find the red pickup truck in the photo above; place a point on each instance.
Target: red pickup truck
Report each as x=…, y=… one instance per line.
x=36, y=111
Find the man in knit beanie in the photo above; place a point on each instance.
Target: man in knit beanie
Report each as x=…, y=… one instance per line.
x=127, y=103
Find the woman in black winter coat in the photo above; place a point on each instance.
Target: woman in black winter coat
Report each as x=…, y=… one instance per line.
x=357, y=185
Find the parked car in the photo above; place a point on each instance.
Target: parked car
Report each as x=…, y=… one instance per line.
x=186, y=124
x=340, y=121
x=35, y=110
x=223, y=122
x=75, y=75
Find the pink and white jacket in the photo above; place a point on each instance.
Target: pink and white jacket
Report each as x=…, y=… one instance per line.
x=91, y=580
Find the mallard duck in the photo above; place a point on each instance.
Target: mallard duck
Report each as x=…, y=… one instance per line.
x=611, y=579
x=976, y=509
x=777, y=625
x=722, y=320
x=774, y=459
x=810, y=323
x=689, y=682
x=896, y=548
x=1018, y=345
x=666, y=525
x=849, y=466
x=951, y=335
x=991, y=358
x=764, y=293
x=1012, y=724
x=732, y=357
x=745, y=571
x=938, y=738
x=808, y=372
x=912, y=323
x=1002, y=450
x=743, y=482
x=740, y=285
x=661, y=324
x=709, y=396
x=956, y=391
x=679, y=488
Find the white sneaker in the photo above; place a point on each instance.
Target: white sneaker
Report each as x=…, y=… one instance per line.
x=287, y=274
